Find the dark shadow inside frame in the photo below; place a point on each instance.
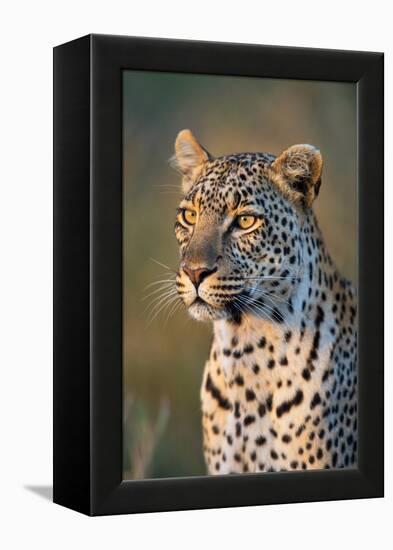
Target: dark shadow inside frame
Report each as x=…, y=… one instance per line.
x=88, y=292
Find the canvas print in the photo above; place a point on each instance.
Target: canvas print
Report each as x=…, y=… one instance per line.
x=240, y=275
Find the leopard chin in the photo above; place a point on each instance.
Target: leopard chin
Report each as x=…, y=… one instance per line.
x=200, y=310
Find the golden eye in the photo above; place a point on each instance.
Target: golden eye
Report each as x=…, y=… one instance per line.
x=189, y=216
x=245, y=222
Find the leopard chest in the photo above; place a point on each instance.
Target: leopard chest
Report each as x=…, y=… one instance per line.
x=261, y=409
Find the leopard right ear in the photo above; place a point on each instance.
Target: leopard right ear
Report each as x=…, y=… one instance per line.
x=189, y=158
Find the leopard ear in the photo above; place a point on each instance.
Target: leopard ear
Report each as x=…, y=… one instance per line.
x=298, y=173
x=189, y=157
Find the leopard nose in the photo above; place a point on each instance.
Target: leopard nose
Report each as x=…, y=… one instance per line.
x=198, y=275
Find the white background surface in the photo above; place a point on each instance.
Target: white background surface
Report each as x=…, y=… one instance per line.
x=28, y=31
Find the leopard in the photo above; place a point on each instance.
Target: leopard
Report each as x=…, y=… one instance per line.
x=279, y=387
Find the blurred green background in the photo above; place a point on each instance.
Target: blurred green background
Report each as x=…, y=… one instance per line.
x=163, y=360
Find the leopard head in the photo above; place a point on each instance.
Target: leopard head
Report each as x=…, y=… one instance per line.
x=238, y=227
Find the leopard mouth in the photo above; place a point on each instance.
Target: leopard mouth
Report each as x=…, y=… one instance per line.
x=202, y=310
x=199, y=301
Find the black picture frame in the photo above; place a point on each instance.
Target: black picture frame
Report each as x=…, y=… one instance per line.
x=88, y=274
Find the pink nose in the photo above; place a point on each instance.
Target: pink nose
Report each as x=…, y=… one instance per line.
x=196, y=276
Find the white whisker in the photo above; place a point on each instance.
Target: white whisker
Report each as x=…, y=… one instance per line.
x=253, y=306
x=162, y=265
x=156, y=300
x=162, y=307
x=261, y=310
x=237, y=306
x=271, y=278
x=165, y=286
x=158, y=282
x=172, y=311
x=157, y=308
x=271, y=295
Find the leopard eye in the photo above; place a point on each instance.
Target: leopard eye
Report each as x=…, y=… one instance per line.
x=189, y=217
x=245, y=222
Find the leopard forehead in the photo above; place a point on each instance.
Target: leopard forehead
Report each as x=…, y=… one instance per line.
x=231, y=181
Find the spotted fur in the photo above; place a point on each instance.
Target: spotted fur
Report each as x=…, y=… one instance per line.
x=279, y=387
